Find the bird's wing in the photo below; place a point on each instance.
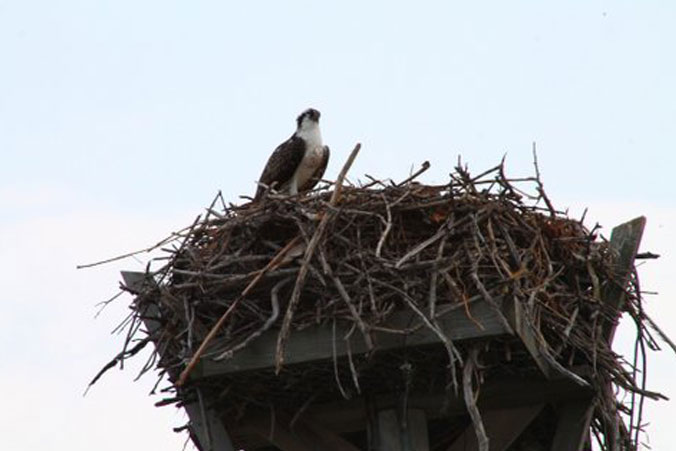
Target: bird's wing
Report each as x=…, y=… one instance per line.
x=319, y=172
x=282, y=164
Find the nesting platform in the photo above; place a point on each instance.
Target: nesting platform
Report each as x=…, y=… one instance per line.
x=467, y=316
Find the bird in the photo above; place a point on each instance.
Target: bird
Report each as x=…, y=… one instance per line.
x=297, y=164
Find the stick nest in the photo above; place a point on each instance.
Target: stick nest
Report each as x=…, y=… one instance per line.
x=381, y=248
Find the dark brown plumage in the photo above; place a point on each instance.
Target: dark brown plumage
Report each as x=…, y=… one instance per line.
x=297, y=164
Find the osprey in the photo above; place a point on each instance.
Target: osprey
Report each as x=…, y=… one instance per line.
x=298, y=163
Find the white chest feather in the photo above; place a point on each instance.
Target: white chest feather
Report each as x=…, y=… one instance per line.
x=311, y=134
x=313, y=158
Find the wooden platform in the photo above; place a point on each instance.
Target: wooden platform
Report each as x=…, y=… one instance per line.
x=509, y=405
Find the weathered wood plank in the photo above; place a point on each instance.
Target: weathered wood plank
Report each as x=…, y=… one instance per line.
x=625, y=240
x=572, y=429
x=417, y=430
x=306, y=434
x=350, y=416
x=388, y=431
x=396, y=435
x=317, y=342
x=325, y=439
x=503, y=427
x=212, y=435
x=517, y=316
x=278, y=435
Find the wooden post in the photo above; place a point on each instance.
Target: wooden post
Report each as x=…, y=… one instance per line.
x=305, y=434
x=402, y=434
x=572, y=429
x=624, y=241
x=503, y=426
x=318, y=342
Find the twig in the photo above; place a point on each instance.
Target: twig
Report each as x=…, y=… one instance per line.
x=425, y=166
x=489, y=299
x=334, y=354
x=346, y=298
x=212, y=333
x=159, y=244
x=540, y=186
x=274, y=303
x=421, y=246
x=302, y=409
x=118, y=358
x=309, y=252
x=659, y=331
x=388, y=227
x=353, y=369
x=432, y=325
x=434, y=277
x=470, y=401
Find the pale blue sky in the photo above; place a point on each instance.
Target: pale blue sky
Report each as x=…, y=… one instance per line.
x=119, y=121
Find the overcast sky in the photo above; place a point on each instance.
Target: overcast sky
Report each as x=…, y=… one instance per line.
x=120, y=120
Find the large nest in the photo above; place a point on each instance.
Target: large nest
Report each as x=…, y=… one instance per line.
x=288, y=263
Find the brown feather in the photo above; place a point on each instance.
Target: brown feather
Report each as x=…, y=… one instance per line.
x=281, y=165
x=319, y=173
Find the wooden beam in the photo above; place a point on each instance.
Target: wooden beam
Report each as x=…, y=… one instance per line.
x=518, y=318
x=572, y=429
x=306, y=434
x=503, y=427
x=388, y=431
x=278, y=435
x=351, y=416
x=417, y=430
x=317, y=342
x=205, y=425
x=212, y=435
x=397, y=434
x=625, y=240
x=325, y=438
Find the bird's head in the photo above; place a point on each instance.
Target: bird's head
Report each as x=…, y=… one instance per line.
x=308, y=119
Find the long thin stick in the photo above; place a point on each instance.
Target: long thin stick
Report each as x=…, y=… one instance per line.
x=312, y=245
x=212, y=333
x=470, y=401
x=425, y=166
x=170, y=238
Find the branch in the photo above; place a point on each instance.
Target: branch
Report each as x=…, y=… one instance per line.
x=212, y=333
x=470, y=400
x=305, y=266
